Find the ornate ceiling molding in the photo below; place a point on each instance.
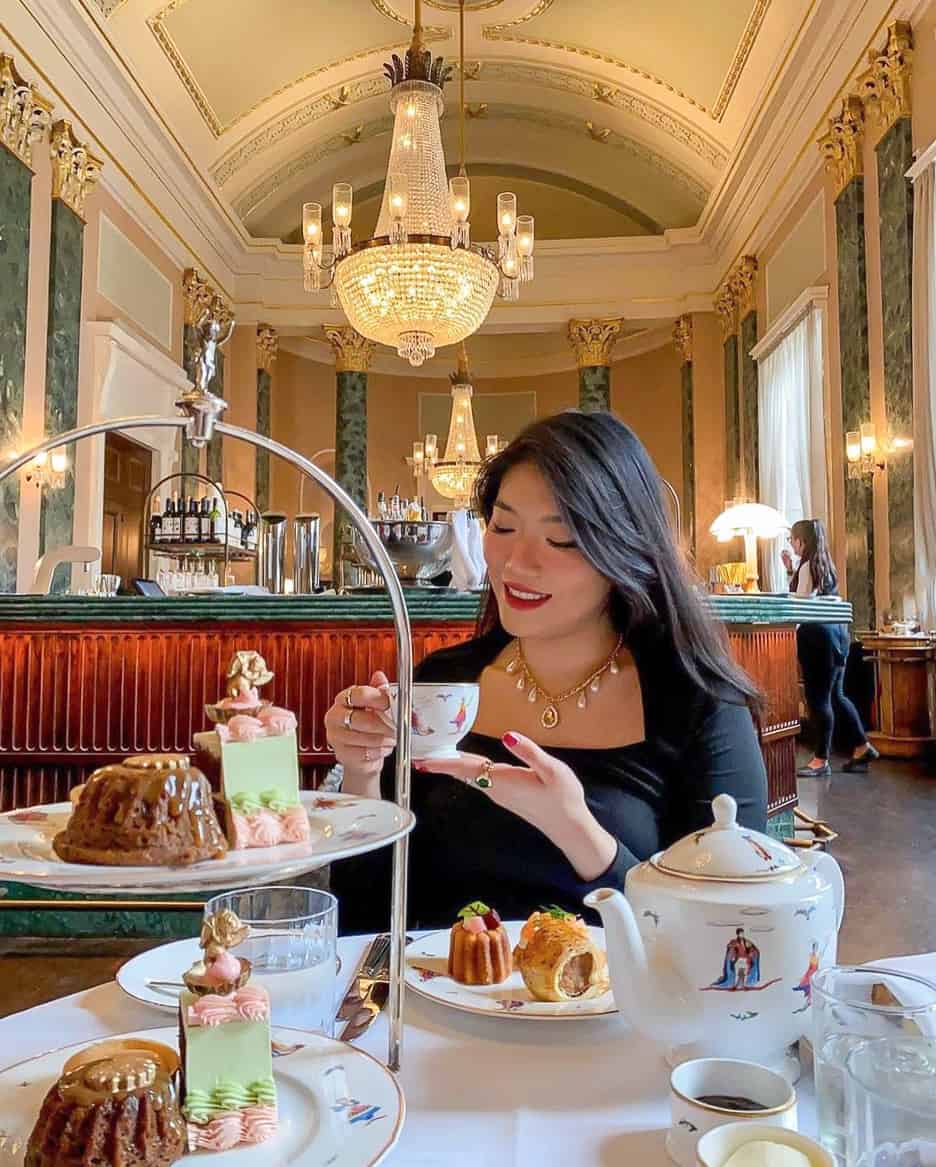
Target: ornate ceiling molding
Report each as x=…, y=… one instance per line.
x=885, y=86
x=593, y=340
x=75, y=170
x=842, y=146
x=256, y=194
x=157, y=25
x=504, y=32
x=741, y=282
x=25, y=115
x=537, y=10
x=107, y=8
x=367, y=87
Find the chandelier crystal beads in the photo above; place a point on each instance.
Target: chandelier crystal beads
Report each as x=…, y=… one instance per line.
x=419, y=283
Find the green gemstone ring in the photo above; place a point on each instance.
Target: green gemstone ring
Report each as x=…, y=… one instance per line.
x=484, y=781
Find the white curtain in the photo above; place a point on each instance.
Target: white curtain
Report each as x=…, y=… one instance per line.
x=924, y=394
x=792, y=433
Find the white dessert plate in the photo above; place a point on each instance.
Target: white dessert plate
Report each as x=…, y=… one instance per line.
x=342, y=825
x=426, y=973
x=337, y=1104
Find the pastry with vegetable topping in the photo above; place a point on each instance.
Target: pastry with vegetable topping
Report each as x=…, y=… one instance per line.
x=479, y=949
x=558, y=959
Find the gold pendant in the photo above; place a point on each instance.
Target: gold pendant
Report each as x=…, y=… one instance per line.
x=550, y=718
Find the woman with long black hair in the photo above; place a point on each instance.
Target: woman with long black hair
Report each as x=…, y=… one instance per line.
x=823, y=652
x=611, y=712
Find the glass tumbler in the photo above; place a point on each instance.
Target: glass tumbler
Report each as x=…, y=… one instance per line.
x=292, y=946
x=851, y=1005
x=891, y=1096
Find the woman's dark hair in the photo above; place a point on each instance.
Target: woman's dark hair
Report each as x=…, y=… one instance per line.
x=611, y=498
x=812, y=534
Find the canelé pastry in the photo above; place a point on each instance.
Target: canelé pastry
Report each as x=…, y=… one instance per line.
x=228, y=1092
x=253, y=755
x=479, y=949
x=558, y=959
x=151, y=810
x=116, y=1111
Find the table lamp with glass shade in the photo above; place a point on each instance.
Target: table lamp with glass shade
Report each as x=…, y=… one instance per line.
x=751, y=521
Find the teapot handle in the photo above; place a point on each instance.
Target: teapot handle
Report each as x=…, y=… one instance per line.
x=824, y=864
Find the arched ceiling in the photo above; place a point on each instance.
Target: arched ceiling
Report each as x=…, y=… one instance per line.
x=610, y=117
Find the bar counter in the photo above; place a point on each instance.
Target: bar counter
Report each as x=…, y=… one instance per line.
x=85, y=681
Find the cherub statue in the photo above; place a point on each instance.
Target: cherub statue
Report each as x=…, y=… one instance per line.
x=211, y=334
x=247, y=672
x=219, y=971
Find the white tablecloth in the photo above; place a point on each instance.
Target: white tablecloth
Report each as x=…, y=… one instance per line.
x=478, y=1089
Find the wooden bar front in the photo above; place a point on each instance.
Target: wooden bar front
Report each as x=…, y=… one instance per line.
x=75, y=696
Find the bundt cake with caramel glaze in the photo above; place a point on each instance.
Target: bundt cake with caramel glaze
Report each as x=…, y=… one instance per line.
x=479, y=948
x=120, y=1111
x=151, y=810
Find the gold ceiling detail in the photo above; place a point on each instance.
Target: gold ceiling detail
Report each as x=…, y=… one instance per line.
x=25, y=114
x=199, y=296
x=267, y=347
x=741, y=281
x=537, y=10
x=75, y=170
x=247, y=202
x=842, y=145
x=726, y=305
x=353, y=352
x=478, y=110
x=885, y=86
x=368, y=87
x=470, y=6
x=593, y=340
x=504, y=32
x=429, y=32
x=599, y=134
x=157, y=25
x=682, y=337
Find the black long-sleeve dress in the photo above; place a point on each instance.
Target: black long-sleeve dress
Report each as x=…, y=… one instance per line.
x=465, y=847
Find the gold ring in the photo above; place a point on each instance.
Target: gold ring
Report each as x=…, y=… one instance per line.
x=347, y=720
x=484, y=781
x=347, y=699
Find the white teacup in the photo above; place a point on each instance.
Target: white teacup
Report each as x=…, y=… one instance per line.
x=728, y=1078
x=717, y=1146
x=442, y=715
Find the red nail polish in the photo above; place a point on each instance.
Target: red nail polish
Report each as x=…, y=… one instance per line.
x=510, y=740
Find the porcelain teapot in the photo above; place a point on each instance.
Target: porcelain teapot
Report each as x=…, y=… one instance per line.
x=714, y=948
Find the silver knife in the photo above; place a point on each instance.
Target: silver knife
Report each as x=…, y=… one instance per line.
x=369, y=989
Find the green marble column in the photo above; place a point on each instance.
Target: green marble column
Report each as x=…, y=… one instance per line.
x=262, y=483
x=595, y=388
x=688, y=458
x=895, y=191
x=856, y=395
x=61, y=393
x=15, y=201
x=732, y=418
x=750, y=471
x=350, y=445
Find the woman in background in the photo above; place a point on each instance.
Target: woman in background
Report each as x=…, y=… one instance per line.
x=823, y=651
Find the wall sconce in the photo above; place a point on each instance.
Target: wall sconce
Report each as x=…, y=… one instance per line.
x=47, y=470
x=864, y=454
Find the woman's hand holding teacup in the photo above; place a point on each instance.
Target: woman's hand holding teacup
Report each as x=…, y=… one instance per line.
x=544, y=792
x=360, y=738
x=787, y=559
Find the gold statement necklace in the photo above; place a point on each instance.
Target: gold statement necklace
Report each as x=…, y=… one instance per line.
x=535, y=692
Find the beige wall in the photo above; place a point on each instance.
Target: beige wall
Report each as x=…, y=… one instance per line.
x=923, y=79
x=708, y=386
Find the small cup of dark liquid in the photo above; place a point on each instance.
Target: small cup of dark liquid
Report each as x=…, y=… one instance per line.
x=707, y=1092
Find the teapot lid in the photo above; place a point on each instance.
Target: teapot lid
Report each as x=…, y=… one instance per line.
x=727, y=850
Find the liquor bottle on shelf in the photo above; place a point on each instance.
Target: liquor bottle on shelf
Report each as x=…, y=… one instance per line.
x=218, y=533
x=381, y=505
x=236, y=533
x=175, y=519
x=250, y=536
x=204, y=520
x=155, y=523
x=190, y=528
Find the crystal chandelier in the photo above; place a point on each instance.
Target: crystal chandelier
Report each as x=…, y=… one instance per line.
x=454, y=475
x=419, y=283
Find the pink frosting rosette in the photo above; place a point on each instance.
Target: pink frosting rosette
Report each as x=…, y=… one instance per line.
x=245, y=699
x=277, y=720
x=258, y=1123
x=212, y=1010
x=295, y=825
x=223, y=970
x=220, y=1134
x=253, y=1003
x=242, y=728
x=265, y=829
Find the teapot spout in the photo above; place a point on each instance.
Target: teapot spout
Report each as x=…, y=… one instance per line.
x=647, y=989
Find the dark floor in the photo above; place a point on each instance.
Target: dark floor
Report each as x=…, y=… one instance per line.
x=886, y=821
